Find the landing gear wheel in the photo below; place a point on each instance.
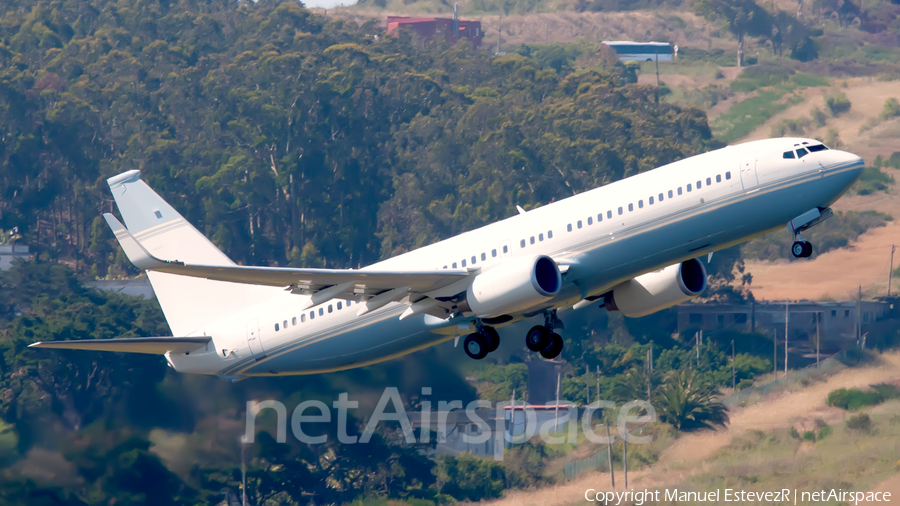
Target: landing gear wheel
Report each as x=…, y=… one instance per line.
x=493, y=339
x=476, y=346
x=537, y=338
x=554, y=347
x=801, y=249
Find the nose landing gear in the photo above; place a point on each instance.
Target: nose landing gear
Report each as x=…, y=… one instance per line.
x=801, y=249
x=802, y=223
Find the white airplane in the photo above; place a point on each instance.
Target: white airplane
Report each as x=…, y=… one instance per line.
x=631, y=246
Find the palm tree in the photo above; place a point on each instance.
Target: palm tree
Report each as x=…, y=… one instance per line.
x=686, y=402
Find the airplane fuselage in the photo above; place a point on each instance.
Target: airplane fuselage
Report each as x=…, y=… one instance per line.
x=605, y=236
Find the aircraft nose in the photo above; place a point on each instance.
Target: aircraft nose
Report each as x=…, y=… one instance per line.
x=846, y=159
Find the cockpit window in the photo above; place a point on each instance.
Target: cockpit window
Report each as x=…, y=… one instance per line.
x=788, y=154
x=801, y=152
x=817, y=147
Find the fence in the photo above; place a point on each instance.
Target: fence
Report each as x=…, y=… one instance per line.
x=829, y=364
x=600, y=460
x=597, y=462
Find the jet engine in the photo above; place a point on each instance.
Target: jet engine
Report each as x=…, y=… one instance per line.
x=514, y=285
x=655, y=291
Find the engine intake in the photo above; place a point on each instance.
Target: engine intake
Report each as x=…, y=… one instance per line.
x=514, y=285
x=658, y=290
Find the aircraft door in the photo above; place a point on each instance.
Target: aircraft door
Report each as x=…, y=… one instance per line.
x=253, y=339
x=748, y=172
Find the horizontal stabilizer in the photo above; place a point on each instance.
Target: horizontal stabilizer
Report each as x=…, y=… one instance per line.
x=150, y=345
x=137, y=254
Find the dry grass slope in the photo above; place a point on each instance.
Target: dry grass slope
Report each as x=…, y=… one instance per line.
x=706, y=460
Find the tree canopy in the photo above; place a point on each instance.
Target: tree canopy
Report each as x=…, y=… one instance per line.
x=291, y=138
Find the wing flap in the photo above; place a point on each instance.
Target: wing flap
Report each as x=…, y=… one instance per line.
x=149, y=345
x=365, y=282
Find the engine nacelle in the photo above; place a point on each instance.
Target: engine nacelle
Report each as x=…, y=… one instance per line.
x=514, y=285
x=658, y=290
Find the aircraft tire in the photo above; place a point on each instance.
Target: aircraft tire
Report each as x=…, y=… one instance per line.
x=537, y=338
x=476, y=346
x=798, y=249
x=493, y=338
x=553, y=348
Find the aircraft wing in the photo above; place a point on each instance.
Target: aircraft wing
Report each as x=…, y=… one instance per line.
x=321, y=284
x=150, y=345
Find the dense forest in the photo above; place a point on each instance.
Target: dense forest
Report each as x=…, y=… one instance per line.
x=292, y=139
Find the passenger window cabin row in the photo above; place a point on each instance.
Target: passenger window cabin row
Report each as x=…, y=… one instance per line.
x=650, y=201
x=473, y=260
x=341, y=304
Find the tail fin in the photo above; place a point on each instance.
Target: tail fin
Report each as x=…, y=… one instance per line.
x=188, y=303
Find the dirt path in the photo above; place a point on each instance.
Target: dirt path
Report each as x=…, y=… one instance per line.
x=688, y=452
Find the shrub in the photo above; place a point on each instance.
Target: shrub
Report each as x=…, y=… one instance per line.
x=808, y=80
x=809, y=436
x=854, y=398
x=470, y=478
x=837, y=104
x=824, y=432
x=869, y=124
x=891, y=109
x=832, y=139
x=789, y=126
x=860, y=422
x=886, y=390
x=818, y=117
x=805, y=50
x=871, y=181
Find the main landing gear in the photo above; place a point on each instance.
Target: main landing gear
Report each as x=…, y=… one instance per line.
x=483, y=341
x=542, y=339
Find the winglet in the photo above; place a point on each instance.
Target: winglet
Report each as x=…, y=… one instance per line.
x=140, y=257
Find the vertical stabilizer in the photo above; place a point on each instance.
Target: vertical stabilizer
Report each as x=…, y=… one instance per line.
x=188, y=303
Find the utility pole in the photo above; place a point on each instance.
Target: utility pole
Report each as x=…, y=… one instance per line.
x=818, y=338
x=858, y=315
x=556, y=416
x=512, y=416
x=657, y=78
x=697, y=343
x=733, y=374
x=775, y=358
x=243, y=471
x=587, y=384
x=612, y=472
x=499, y=32
x=787, y=318
x=891, y=271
